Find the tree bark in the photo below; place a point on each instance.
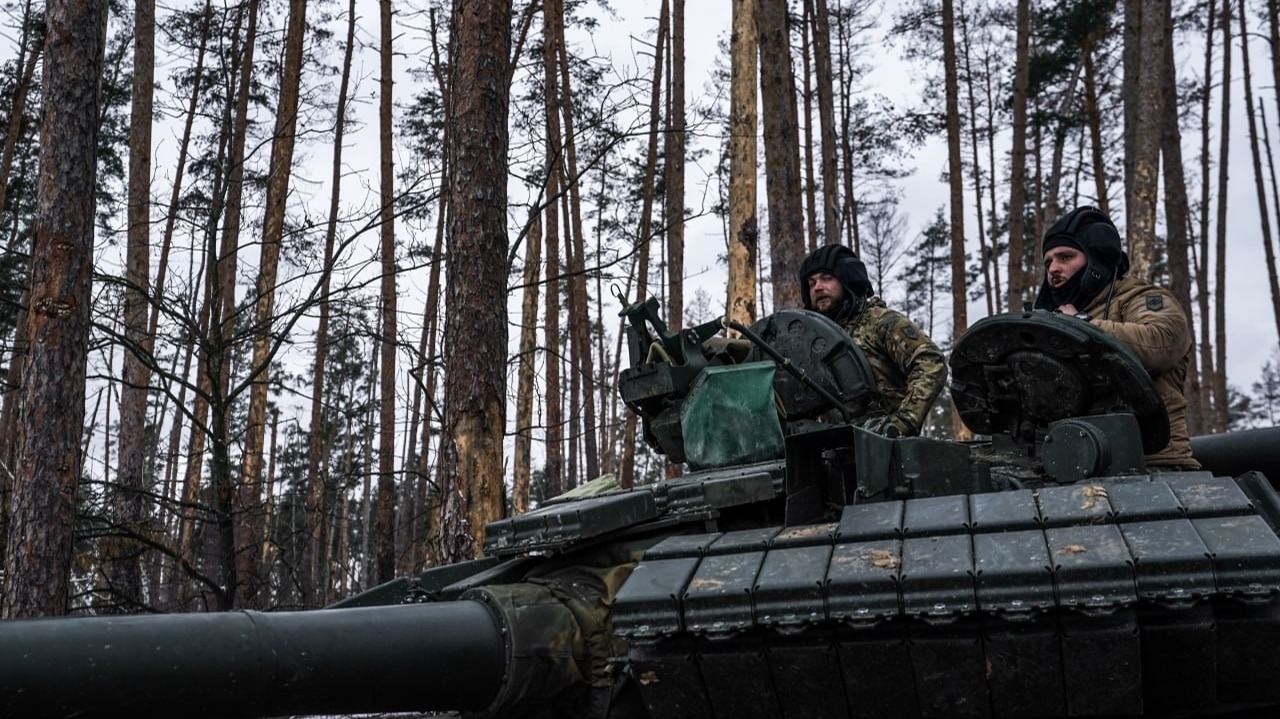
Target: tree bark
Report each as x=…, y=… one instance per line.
x=476, y=322
x=1259, y=183
x=1220, y=397
x=121, y=553
x=955, y=172
x=320, y=437
x=826, y=121
x=1273, y=36
x=807, y=93
x=522, y=462
x=1094, y=120
x=743, y=231
x=222, y=272
x=554, y=468
x=1142, y=146
x=384, y=532
x=1204, y=372
x=674, y=172
x=984, y=251
x=1019, y=281
x=579, y=323
x=249, y=506
x=994, y=244
x=781, y=151
x=1176, y=204
x=627, y=476
x=30, y=45
x=47, y=472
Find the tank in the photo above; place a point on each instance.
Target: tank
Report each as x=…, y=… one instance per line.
x=801, y=567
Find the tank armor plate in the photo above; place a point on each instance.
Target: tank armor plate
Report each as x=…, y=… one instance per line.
x=1088, y=600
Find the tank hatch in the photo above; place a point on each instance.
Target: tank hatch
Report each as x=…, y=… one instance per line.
x=821, y=350
x=1017, y=373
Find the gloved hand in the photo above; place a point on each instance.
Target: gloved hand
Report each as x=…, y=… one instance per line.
x=884, y=425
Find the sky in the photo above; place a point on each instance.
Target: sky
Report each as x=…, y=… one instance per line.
x=1251, y=330
x=627, y=40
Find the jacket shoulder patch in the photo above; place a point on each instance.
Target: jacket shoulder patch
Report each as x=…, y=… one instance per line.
x=1155, y=302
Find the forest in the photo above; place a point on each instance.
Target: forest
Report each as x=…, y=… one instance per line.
x=295, y=297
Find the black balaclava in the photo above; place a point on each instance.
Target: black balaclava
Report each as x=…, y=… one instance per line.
x=1092, y=232
x=844, y=265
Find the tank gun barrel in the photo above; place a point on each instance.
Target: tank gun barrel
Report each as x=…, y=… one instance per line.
x=441, y=656
x=1234, y=453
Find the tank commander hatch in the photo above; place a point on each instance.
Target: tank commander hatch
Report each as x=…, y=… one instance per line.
x=1086, y=275
x=909, y=368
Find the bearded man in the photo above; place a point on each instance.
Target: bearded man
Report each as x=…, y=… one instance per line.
x=909, y=369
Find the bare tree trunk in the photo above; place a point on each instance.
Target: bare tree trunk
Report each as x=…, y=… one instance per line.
x=121, y=553
x=826, y=120
x=985, y=252
x=781, y=151
x=1019, y=282
x=47, y=472
x=1271, y=172
x=476, y=325
x=166, y=580
x=384, y=532
x=609, y=399
x=674, y=162
x=368, y=538
x=627, y=477
x=807, y=92
x=429, y=550
x=994, y=244
x=955, y=170
x=29, y=48
x=579, y=323
x=1264, y=213
x=1220, y=398
x=249, y=507
x=554, y=469
x=165, y=586
x=743, y=233
x=269, y=502
x=320, y=436
x=1273, y=37
x=190, y=496
x=1094, y=120
x=1176, y=204
x=9, y=419
x=1142, y=146
x=1208, y=414
x=522, y=462
x=223, y=272
x=674, y=175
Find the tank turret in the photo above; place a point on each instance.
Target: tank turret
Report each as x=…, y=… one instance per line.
x=802, y=566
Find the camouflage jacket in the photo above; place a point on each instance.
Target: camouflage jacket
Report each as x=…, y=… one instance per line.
x=909, y=368
x=1151, y=323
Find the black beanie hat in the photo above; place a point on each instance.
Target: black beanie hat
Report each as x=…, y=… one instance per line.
x=1089, y=230
x=844, y=265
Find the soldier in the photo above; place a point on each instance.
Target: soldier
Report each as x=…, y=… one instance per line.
x=1085, y=275
x=909, y=369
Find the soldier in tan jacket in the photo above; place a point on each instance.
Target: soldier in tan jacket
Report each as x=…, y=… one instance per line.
x=1086, y=276
x=909, y=369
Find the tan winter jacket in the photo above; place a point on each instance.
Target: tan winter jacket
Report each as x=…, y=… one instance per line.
x=1151, y=323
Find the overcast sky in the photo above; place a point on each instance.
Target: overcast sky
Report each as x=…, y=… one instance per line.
x=1251, y=333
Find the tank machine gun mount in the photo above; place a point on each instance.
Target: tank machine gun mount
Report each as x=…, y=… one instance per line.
x=797, y=569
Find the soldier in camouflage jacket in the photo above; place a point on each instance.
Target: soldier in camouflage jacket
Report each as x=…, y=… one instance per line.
x=909, y=369
x=1086, y=276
